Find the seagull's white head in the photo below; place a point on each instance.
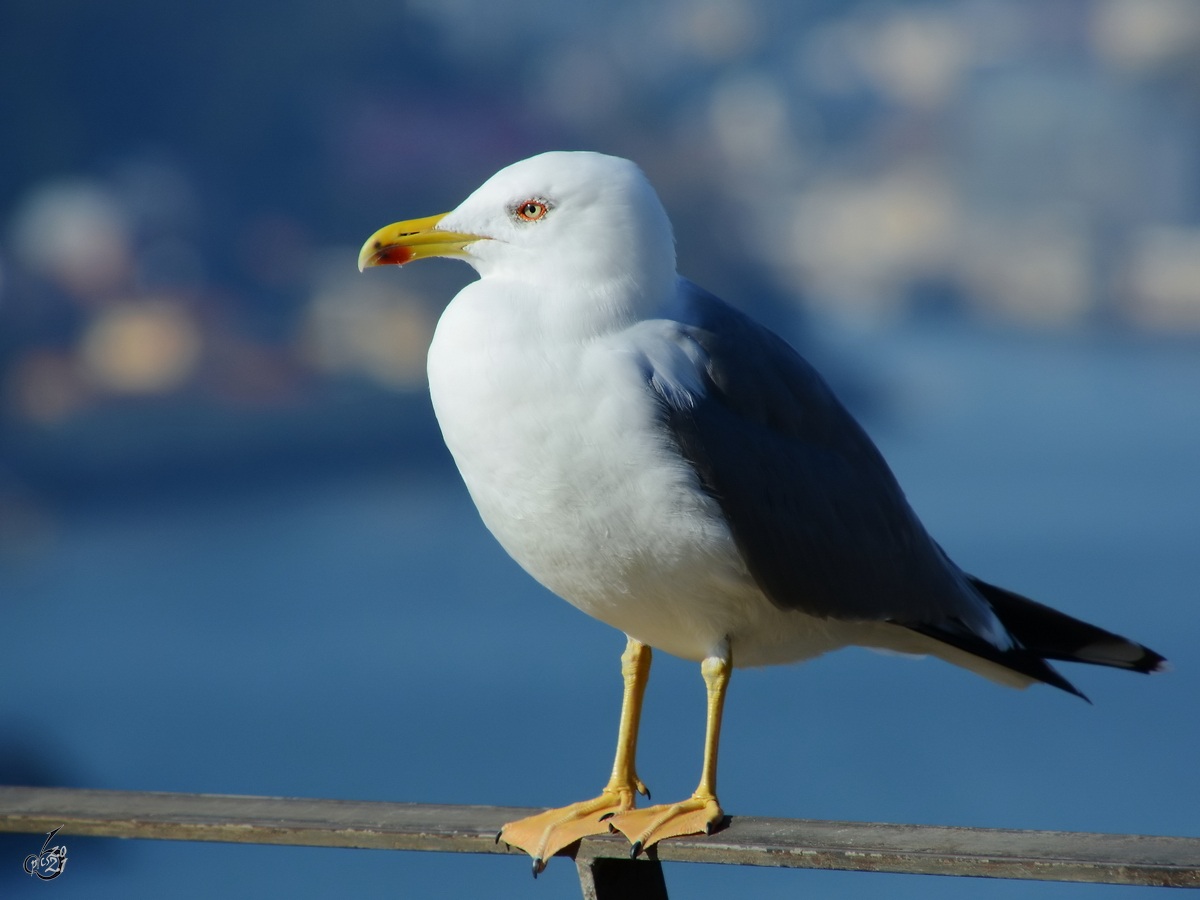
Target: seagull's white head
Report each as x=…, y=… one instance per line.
x=555, y=219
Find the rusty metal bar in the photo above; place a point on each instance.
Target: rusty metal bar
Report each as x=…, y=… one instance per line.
x=799, y=843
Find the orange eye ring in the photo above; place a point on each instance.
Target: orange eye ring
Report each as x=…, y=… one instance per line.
x=532, y=210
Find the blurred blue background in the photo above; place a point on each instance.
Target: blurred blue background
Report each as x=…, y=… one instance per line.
x=235, y=557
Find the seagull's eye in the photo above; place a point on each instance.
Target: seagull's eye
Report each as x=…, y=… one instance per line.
x=531, y=210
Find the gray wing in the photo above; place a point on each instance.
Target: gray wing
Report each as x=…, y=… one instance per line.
x=816, y=513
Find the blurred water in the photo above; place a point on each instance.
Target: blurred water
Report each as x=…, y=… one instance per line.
x=366, y=638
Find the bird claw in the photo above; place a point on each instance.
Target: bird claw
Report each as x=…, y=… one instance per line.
x=646, y=827
x=545, y=834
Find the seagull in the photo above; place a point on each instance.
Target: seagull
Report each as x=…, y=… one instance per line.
x=676, y=470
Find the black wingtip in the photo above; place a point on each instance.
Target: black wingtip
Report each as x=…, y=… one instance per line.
x=1050, y=634
x=1042, y=633
x=1047, y=674
x=1016, y=658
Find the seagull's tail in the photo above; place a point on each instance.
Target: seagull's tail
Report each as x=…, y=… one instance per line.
x=1051, y=634
x=1039, y=634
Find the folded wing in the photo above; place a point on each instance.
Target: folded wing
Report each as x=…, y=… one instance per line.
x=817, y=514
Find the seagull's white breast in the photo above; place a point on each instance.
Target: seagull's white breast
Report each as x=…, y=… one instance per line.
x=561, y=444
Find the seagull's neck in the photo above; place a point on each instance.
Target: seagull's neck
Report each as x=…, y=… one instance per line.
x=574, y=310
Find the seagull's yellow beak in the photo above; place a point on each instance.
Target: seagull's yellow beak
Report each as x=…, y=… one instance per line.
x=415, y=239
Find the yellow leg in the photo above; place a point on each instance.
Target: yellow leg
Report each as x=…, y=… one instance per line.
x=543, y=835
x=702, y=812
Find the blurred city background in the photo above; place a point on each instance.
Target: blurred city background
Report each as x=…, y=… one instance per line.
x=235, y=556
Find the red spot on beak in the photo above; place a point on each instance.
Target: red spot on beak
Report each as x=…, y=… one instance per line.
x=395, y=255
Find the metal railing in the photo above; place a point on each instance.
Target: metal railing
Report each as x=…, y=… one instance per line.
x=605, y=870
